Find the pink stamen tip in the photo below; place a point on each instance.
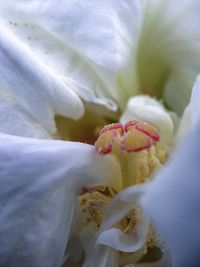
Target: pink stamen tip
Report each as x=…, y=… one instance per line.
x=127, y=150
x=148, y=130
x=105, y=142
x=105, y=150
x=130, y=124
x=113, y=126
x=135, y=141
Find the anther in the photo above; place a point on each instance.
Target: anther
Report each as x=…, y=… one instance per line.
x=134, y=141
x=134, y=136
x=107, y=137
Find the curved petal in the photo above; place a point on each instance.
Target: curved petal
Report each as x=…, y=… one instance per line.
x=33, y=85
x=106, y=257
x=172, y=202
x=97, y=255
x=119, y=207
x=39, y=181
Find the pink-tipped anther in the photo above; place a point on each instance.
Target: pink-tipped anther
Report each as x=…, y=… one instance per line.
x=134, y=136
x=148, y=130
x=135, y=141
x=107, y=137
x=113, y=126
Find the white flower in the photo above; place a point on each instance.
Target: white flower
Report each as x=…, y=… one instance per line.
x=67, y=68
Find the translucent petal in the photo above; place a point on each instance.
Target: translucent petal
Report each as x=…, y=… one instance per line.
x=172, y=201
x=97, y=255
x=106, y=257
x=39, y=181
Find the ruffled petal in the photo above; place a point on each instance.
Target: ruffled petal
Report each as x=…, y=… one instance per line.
x=97, y=255
x=86, y=41
x=71, y=41
x=39, y=182
x=172, y=202
x=33, y=85
x=119, y=207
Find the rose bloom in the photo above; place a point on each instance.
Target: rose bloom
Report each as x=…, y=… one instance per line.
x=95, y=97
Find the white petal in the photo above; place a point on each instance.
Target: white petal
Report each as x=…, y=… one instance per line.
x=172, y=201
x=194, y=103
x=164, y=57
x=15, y=120
x=88, y=95
x=191, y=114
x=106, y=257
x=86, y=41
x=121, y=204
x=90, y=26
x=96, y=255
x=69, y=41
x=150, y=110
x=32, y=84
x=39, y=181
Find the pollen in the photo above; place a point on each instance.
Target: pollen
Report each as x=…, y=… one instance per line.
x=93, y=200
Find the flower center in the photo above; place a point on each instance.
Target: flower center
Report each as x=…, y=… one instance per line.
x=135, y=146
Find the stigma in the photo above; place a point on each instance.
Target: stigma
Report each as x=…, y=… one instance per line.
x=131, y=137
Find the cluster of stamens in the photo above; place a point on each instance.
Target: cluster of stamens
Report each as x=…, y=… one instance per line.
x=124, y=141
x=134, y=136
x=94, y=200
